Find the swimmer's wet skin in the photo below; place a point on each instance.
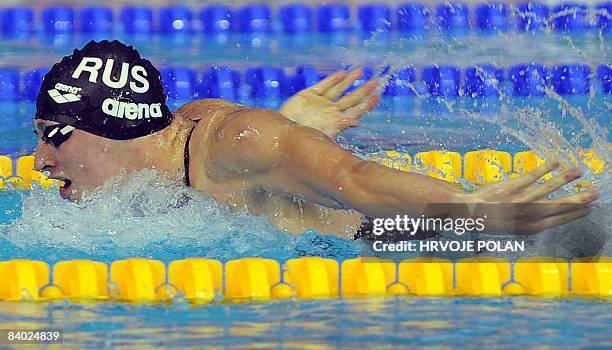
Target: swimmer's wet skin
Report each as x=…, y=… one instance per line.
x=109, y=112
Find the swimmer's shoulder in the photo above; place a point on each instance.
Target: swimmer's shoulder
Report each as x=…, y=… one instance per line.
x=209, y=115
x=205, y=109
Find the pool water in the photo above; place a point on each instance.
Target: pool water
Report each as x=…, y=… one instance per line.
x=146, y=220
x=378, y=323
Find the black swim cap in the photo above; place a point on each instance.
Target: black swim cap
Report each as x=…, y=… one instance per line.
x=105, y=89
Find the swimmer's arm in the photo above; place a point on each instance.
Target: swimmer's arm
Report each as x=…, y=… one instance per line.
x=285, y=157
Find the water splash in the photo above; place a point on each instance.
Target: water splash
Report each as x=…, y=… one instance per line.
x=146, y=215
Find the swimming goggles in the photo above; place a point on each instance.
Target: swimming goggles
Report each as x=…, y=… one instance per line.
x=56, y=134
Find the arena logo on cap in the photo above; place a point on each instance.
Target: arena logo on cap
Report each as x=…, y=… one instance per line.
x=71, y=93
x=130, y=110
x=93, y=64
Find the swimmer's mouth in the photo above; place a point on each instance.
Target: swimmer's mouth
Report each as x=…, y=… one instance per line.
x=66, y=182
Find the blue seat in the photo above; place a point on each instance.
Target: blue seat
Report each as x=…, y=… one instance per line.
x=137, y=19
x=332, y=18
x=400, y=82
x=266, y=81
x=96, y=20
x=528, y=79
x=413, y=18
x=32, y=80
x=216, y=19
x=305, y=76
x=9, y=84
x=570, y=17
x=58, y=20
x=179, y=82
x=375, y=17
x=571, y=79
x=220, y=82
x=483, y=80
x=254, y=19
x=603, y=18
x=442, y=80
x=175, y=19
x=17, y=21
x=492, y=17
x=604, y=73
x=453, y=17
x=532, y=16
x=295, y=18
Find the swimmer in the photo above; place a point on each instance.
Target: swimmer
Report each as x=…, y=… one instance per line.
x=102, y=111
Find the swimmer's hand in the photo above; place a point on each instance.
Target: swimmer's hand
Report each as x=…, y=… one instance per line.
x=318, y=106
x=519, y=206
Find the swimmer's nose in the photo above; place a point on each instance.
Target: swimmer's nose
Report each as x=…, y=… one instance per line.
x=45, y=157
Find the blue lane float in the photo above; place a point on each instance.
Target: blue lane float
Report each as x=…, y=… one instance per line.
x=17, y=21
x=453, y=17
x=413, y=18
x=532, y=17
x=528, y=79
x=96, y=20
x=402, y=83
x=375, y=18
x=220, y=82
x=604, y=73
x=266, y=82
x=305, y=76
x=483, y=80
x=9, y=84
x=32, y=80
x=603, y=14
x=137, y=19
x=334, y=18
x=296, y=18
x=179, y=82
x=492, y=17
x=570, y=17
x=58, y=20
x=442, y=80
x=571, y=79
x=175, y=19
x=254, y=19
x=216, y=19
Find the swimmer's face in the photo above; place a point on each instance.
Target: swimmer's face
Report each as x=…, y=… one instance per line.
x=84, y=161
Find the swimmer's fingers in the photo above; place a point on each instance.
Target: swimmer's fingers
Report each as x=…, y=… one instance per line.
x=358, y=96
x=335, y=91
x=535, y=174
x=553, y=184
x=324, y=85
x=362, y=108
x=346, y=123
x=354, y=114
x=552, y=221
x=571, y=203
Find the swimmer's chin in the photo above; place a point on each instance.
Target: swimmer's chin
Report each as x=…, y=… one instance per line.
x=70, y=194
